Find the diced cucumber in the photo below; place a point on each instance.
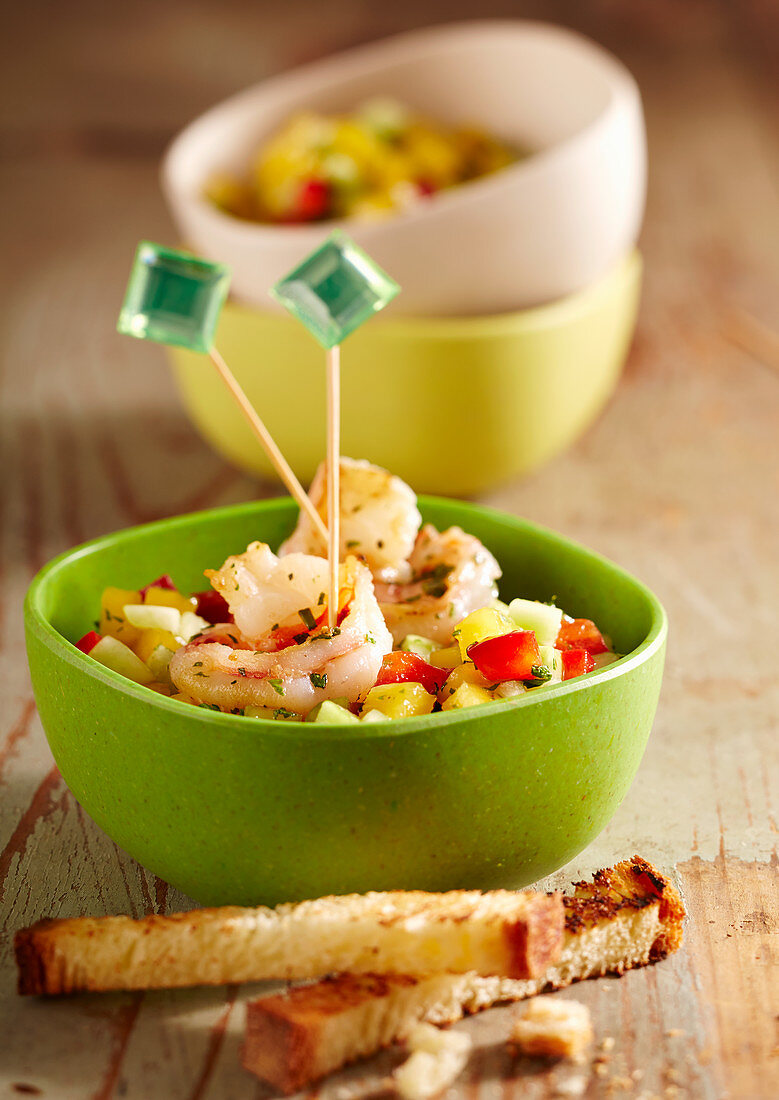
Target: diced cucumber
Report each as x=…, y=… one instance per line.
x=158, y=662
x=150, y=616
x=272, y=714
x=544, y=618
x=499, y=605
x=191, y=624
x=328, y=711
x=415, y=643
x=120, y=658
x=375, y=716
x=553, y=660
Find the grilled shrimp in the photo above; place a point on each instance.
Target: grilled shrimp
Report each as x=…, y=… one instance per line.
x=280, y=611
x=452, y=575
x=379, y=520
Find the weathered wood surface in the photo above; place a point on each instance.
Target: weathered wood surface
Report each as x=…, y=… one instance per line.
x=677, y=481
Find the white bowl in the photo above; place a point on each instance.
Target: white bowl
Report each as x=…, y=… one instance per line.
x=533, y=232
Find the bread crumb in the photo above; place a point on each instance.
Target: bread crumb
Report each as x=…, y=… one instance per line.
x=554, y=1027
x=437, y=1057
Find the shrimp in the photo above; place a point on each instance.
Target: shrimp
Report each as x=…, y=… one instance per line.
x=379, y=520
x=280, y=611
x=452, y=575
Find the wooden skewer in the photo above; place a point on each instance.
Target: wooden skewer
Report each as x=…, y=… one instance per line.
x=282, y=467
x=333, y=478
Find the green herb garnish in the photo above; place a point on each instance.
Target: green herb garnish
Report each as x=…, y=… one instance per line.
x=277, y=686
x=318, y=679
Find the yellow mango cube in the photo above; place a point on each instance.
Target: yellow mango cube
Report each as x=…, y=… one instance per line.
x=399, y=700
x=466, y=673
x=112, y=618
x=487, y=622
x=467, y=695
x=150, y=639
x=169, y=597
x=445, y=658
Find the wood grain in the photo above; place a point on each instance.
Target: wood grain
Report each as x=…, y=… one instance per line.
x=677, y=482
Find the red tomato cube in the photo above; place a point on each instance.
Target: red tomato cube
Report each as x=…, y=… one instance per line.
x=212, y=607
x=400, y=667
x=581, y=634
x=507, y=657
x=89, y=641
x=576, y=662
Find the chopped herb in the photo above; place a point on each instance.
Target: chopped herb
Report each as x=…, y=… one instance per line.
x=274, y=627
x=241, y=671
x=291, y=576
x=352, y=543
x=107, y=614
x=435, y=588
x=200, y=673
x=97, y=624
x=451, y=610
x=282, y=712
x=370, y=638
x=456, y=632
x=237, y=710
x=326, y=634
x=298, y=639
x=277, y=686
x=318, y=679
x=551, y=602
x=541, y=672
x=308, y=617
x=380, y=544
x=233, y=682
x=413, y=599
x=198, y=664
x=233, y=639
x=209, y=706
x=321, y=599
x=237, y=587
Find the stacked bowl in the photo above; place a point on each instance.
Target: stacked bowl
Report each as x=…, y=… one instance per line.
x=520, y=289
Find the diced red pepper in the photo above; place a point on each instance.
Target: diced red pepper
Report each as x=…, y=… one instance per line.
x=212, y=607
x=165, y=581
x=425, y=187
x=313, y=201
x=400, y=667
x=576, y=662
x=89, y=641
x=581, y=634
x=507, y=657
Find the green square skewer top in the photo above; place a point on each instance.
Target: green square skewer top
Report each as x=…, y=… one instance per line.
x=335, y=290
x=173, y=298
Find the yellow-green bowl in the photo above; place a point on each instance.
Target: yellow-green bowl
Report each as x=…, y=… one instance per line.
x=451, y=405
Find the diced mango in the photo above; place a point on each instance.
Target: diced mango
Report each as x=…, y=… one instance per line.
x=467, y=695
x=399, y=700
x=466, y=673
x=445, y=658
x=148, y=641
x=485, y=623
x=112, y=618
x=168, y=597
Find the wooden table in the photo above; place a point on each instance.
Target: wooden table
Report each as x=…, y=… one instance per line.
x=677, y=482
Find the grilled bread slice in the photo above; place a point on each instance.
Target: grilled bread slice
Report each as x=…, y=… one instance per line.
x=629, y=916
x=500, y=932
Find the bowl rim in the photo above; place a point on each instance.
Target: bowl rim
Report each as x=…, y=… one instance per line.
x=37, y=622
x=621, y=82
x=520, y=322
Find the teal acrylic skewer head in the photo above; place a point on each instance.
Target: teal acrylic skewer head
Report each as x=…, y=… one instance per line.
x=173, y=298
x=335, y=290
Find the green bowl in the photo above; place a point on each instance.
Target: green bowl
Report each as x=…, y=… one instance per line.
x=241, y=810
x=451, y=405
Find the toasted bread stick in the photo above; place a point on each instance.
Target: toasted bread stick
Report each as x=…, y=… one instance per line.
x=629, y=916
x=502, y=932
